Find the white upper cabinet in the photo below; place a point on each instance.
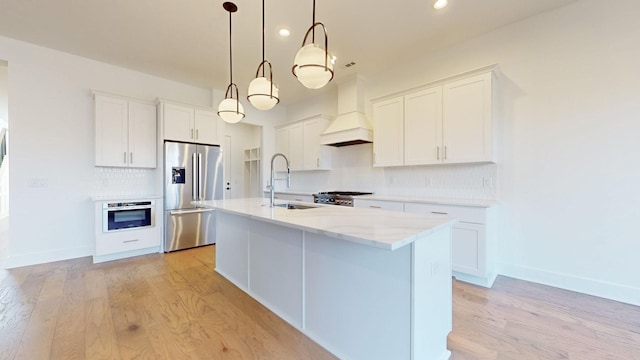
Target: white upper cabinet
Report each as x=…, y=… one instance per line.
x=423, y=127
x=443, y=124
x=300, y=142
x=388, y=132
x=191, y=124
x=125, y=132
x=467, y=120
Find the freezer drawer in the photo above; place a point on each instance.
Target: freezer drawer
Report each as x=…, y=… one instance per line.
x=189, y=228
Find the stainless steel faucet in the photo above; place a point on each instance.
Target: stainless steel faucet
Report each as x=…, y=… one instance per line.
x=288, y=178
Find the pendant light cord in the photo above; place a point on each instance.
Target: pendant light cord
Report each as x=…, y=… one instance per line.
x=313, y=23
x=230, y=54
x=263, y=37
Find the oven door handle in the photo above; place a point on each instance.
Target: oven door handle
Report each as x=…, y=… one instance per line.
x=186, y=212
x=125, y=208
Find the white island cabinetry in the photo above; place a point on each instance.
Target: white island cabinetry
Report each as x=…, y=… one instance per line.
x=364, y=284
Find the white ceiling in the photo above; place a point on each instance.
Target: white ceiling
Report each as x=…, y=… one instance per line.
x=187, y=40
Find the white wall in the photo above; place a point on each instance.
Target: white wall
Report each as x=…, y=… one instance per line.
x=52, y=145
x=567, y=177
x=4, y=112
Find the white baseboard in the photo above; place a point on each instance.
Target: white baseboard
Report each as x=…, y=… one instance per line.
x=617, y=292
x=47, y=257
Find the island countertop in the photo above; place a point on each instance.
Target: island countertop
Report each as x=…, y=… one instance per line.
x=372, y=227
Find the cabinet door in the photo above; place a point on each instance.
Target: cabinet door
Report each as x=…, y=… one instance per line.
x=206, y=127
x=316, y=156
x=469, y=249
x=296, y=146
x=178, y=122
x=423, y=127
x=388, y=132
x=142, y=135
x=111, y=131
x=467, y=117
x=282, y=146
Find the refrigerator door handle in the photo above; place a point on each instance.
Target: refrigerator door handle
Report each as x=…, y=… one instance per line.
x=186, y=212
x=200, y=197
x=194, y=178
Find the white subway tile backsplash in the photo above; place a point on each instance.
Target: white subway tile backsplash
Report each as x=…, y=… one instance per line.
x=352, y=170
x=114, y=182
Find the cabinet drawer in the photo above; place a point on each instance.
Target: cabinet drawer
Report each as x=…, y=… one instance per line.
x=462, y=213
x=127, y=240
x=377, y=204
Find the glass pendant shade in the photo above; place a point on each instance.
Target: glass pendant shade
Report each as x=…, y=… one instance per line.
x=313, y=67
x=263, y=95
x=231, y=111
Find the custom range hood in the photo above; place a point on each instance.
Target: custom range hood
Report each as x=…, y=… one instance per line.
x=351, y=127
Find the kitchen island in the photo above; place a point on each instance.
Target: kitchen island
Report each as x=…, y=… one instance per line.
x=363, y=283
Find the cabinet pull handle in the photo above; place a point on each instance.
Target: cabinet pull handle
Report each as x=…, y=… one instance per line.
x=445, y=152
x=125, y=157
x=131, y=157
x=439, y=213
x=192, y=133
x=196, y=134
x=375, y=207
x=437, y=152
x=318, y=162
x=130, y=241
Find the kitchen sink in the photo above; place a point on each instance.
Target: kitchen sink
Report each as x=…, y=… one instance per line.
x=295, y=206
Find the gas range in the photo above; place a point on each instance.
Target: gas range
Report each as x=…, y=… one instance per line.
x=342, y=198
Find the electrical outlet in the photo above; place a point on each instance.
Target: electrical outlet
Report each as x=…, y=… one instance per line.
x=487, y=182
x=428, y=181
x=39, y=183
x=392, y=180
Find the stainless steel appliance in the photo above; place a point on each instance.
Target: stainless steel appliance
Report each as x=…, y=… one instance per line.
x=342, y=198
x=192, y=172
x=127, y=215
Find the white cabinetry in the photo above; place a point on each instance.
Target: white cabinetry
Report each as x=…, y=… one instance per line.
x=252, y=181
x=447, y=123
x=377, y=204
x=300, y=142
x=294, y=197
x=126, y=243
x=472, y=240
x=125, y=132
x=467, y=120
x=191, y=124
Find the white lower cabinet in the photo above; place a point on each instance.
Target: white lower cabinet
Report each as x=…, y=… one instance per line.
x=293, y=197
x=471, y=236
x=378, y=204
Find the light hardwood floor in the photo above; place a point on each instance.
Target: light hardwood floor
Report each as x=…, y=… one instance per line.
x=176, y=307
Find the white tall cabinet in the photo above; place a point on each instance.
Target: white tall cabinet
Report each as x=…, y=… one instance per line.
x=125, y=132
x=451, y=122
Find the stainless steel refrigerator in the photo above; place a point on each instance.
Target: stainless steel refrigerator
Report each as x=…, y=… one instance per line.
x=192, y=172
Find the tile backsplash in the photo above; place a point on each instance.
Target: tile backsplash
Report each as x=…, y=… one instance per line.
x=352, y=170
x=114, y=182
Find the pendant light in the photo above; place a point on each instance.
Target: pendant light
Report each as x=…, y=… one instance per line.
x=230, y=109
x=312, y=65
x=263, y=95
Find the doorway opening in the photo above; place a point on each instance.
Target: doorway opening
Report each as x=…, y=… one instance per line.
x=242, y=161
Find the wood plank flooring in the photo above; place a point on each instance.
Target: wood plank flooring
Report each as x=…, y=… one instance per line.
x=175, y=306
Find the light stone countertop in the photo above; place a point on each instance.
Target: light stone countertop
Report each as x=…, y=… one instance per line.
x=388, y=230
x=419, y=200
x=125, y=197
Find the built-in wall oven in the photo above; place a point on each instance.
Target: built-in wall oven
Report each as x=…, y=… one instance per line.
x=117, y=216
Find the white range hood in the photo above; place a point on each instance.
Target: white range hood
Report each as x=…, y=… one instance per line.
x=351, y=127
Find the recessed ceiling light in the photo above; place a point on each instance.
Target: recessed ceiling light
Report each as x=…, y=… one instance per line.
x=284, y=32
x=439, y=4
